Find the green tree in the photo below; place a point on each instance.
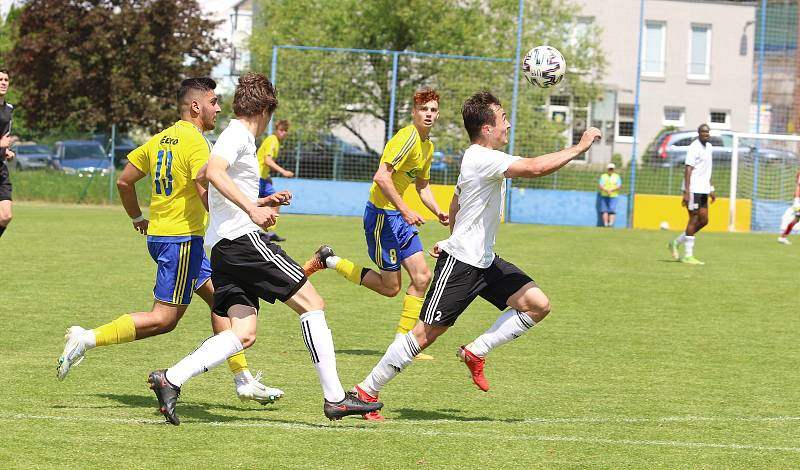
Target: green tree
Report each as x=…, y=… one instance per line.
x=88, y=64
x=322, y=90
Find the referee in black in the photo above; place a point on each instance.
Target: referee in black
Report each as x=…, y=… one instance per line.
x=5, y=152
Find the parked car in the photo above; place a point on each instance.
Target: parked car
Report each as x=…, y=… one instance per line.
x=671, y=148
x=328, y=157
x=31, y=156
x=81, y=157
x=122, y=147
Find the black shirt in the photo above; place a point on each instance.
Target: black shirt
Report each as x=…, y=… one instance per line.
x=5, y=126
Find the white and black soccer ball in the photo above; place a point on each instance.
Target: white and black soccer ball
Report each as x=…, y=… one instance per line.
x=544, y=66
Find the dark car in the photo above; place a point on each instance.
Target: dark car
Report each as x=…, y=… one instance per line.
x=328, y=157
x=31, y=156
x=671, y=148
x=81, y=157
x=123, y=145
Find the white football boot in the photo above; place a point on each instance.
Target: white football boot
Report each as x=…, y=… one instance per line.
x=256, y=391
x=74, y=351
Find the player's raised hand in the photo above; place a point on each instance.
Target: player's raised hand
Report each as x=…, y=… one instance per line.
x=141, y=226
x=590, y=136
x=280, y=198
x=444, y=218
x=263, y=216
x=412, y=217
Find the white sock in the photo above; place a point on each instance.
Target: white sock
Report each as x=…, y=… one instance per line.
x=89, y=339
x=319, y=342
x=511, y=324
x=243, y=377
x=681, y=238
x=213, y=352
x=397, y=357
x=332, y=261
x=689, y=249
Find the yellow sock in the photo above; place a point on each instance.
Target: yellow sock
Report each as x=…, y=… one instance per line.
x=237, y=362
x=121, y=330
x=350, y=271
x=410, y=314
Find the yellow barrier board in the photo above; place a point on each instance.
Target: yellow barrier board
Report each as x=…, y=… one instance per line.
x=651, y=210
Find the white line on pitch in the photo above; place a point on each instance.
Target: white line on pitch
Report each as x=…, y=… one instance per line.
x=384, y=429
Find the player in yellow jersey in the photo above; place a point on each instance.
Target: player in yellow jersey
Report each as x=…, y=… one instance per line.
x=178, y=213
x=267, y=154
x=389, y=224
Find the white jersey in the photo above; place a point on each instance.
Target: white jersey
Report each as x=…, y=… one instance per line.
x=699, y=157
x=481, y=189
x=237, y=146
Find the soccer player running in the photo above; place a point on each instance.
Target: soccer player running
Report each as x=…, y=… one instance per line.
x=246, y=266
x=796, y=207
x=389, y=224
x=697, y=189
x=267, y=154
x=173, y=158
x=467, y=266
x=5, y=152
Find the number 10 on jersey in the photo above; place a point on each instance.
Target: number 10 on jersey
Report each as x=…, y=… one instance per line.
x=163, y=176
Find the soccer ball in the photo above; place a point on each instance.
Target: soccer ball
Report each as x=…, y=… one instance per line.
x=544, y=66
x=664, y=225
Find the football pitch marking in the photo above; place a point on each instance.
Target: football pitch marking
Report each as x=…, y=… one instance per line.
x=461, y=434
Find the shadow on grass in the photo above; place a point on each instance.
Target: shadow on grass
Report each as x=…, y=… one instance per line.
x=449, y=414
x=360, y=352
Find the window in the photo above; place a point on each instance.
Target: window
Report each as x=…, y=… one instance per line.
x=719, y=119
x=625, y=123
x=653, y=49
x=700, y=52
x=673, y=116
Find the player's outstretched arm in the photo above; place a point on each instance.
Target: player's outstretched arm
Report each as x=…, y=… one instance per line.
x=280, y=198
x=546, y=164
x=217, y=175
x=273, y=165
x=426, y=196
x=126, y=186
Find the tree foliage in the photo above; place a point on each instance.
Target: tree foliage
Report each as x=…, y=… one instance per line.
x=320, y=91
x=88, y=64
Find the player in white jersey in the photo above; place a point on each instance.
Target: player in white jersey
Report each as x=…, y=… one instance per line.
x=697, y=189
x=795, y=209
x=467, y=266
x=246, y=266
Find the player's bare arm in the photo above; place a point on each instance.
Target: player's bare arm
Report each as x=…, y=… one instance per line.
x=280, y=198
x=546, y=164
x=126, y=185
x=217, y=174
x=426, y=196
x=202, y=179
x=273, y=165
x=454, y=208
x=687, y=177
x=383, y=178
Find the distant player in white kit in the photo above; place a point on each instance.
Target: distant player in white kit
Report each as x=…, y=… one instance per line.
x=467, y=266
x=697, y=189
x=796, y=208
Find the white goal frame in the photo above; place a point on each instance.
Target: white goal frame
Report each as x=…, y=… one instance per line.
x=735, y=166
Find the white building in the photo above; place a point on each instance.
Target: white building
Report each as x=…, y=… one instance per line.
x=693, y=69
x=235, y=28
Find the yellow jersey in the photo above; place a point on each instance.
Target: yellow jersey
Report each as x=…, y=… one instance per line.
x=410, y=157
x=271, y=146
x=173, y=158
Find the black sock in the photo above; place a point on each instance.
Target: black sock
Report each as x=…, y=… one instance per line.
x=2, y=229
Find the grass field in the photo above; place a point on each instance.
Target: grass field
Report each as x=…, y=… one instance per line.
x=642, y=363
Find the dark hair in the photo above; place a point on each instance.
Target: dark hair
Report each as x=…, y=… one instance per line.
x=423, y=96
x=5, y=71
x=282, y=124
x=203, y=84
x=254, y=94
x=702, y=126
x=477, y=112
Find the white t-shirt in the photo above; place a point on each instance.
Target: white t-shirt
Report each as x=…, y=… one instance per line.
x=699, y=158
x=481, y=189
x=237, y=146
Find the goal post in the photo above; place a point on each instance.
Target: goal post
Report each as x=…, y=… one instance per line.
x=762, y=169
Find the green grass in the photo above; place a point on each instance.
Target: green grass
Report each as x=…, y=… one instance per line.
x=643, y=362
